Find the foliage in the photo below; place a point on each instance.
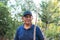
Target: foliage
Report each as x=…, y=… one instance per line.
x=4, y=2
x=4, y=17
x=48, y=12
x=50, y=17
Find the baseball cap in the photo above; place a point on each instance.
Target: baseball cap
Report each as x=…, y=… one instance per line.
x=27, y=13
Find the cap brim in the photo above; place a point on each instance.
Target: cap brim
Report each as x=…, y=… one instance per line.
x=27, y=14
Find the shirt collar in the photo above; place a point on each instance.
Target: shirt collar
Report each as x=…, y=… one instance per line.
x=29, y=28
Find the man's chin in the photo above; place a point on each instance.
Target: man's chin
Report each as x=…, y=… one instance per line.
x=28, y=23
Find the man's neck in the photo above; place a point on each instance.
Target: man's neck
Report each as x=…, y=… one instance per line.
x=27, y=26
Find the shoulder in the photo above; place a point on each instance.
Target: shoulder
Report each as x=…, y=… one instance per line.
x=20, y=27
x=38, y=28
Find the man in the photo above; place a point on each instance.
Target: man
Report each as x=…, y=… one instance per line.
x=26, y=30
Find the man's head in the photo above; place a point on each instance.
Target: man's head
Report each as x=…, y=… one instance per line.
x=27, y=17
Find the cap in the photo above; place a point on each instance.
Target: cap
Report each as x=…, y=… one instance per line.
x=27, y=13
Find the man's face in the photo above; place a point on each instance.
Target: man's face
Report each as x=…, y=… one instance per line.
x=27, y=19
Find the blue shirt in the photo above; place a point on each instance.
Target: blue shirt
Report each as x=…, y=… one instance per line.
x=23, y=34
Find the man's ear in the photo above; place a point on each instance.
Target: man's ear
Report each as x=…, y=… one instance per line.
x=32, y=17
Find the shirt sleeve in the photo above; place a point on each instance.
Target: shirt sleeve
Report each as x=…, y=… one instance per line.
x=16, y=35
x=39, y=33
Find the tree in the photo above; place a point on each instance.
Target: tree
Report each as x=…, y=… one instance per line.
x=49, y=12
x=24, y=5
x=7, y=24
x=50, y=15
x=4, y=17
x=4, y=2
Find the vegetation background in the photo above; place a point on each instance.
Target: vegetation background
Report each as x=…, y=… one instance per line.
x=48, y=17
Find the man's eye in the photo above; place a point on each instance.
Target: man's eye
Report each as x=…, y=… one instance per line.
x=26, y=16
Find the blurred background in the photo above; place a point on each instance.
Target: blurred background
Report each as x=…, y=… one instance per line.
x=47, y=11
